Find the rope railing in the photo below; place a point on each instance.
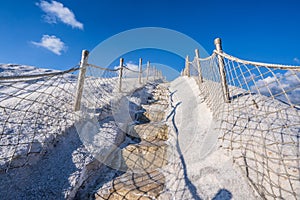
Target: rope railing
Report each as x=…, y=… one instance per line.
x=103, y=68
x=259, y=114
x=38, y=75
x=36, y=109
x=258, y=64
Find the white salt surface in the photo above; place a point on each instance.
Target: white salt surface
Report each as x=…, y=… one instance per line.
x=198, y=169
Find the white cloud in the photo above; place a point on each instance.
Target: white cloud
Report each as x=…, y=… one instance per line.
x=296, y=60
x=287, y=83
x=132, y=66
x=132, y=72
x=52, y=43
x=57, y=11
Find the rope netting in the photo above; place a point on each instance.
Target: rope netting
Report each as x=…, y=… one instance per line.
x=35, y=109
x=102, y=87
x=261, y=122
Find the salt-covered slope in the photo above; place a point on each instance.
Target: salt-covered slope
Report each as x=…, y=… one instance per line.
x=261, y=133
x=15, y=70
x=33, y=112
x=39, y=144
x=198, y=169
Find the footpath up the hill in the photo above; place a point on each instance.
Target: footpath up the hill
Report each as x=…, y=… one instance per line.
x=177, y=157
x=193, y=165
x=198, y=168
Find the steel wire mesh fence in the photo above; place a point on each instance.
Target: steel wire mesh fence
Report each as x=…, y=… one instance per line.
x=261, y=122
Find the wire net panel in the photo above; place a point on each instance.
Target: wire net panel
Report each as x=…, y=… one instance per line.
x=99, y=88
x=34, y=111
x=103, y=87
x=37, y=106
x=211, y=86
x=261, y=124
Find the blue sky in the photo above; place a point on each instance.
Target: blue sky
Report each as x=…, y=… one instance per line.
x=265, y=31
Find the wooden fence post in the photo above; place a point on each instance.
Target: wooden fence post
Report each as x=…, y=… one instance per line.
x=148, y=70
x=140, y=71
x=187, y=66
x=225, y=89
x=199, y=65
x=121, y=74
x=80, y=81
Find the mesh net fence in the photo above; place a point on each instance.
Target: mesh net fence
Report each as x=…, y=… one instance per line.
x=37, y=106
x=261, y=122
x=35, y=110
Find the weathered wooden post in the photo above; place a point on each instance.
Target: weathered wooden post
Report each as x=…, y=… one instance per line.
x=151, y=72
x=148, y=70
x=225, y=89
x=187, y=66
x=198, y=65
x=80, y=81
x=121, y=74
x=140, y=71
